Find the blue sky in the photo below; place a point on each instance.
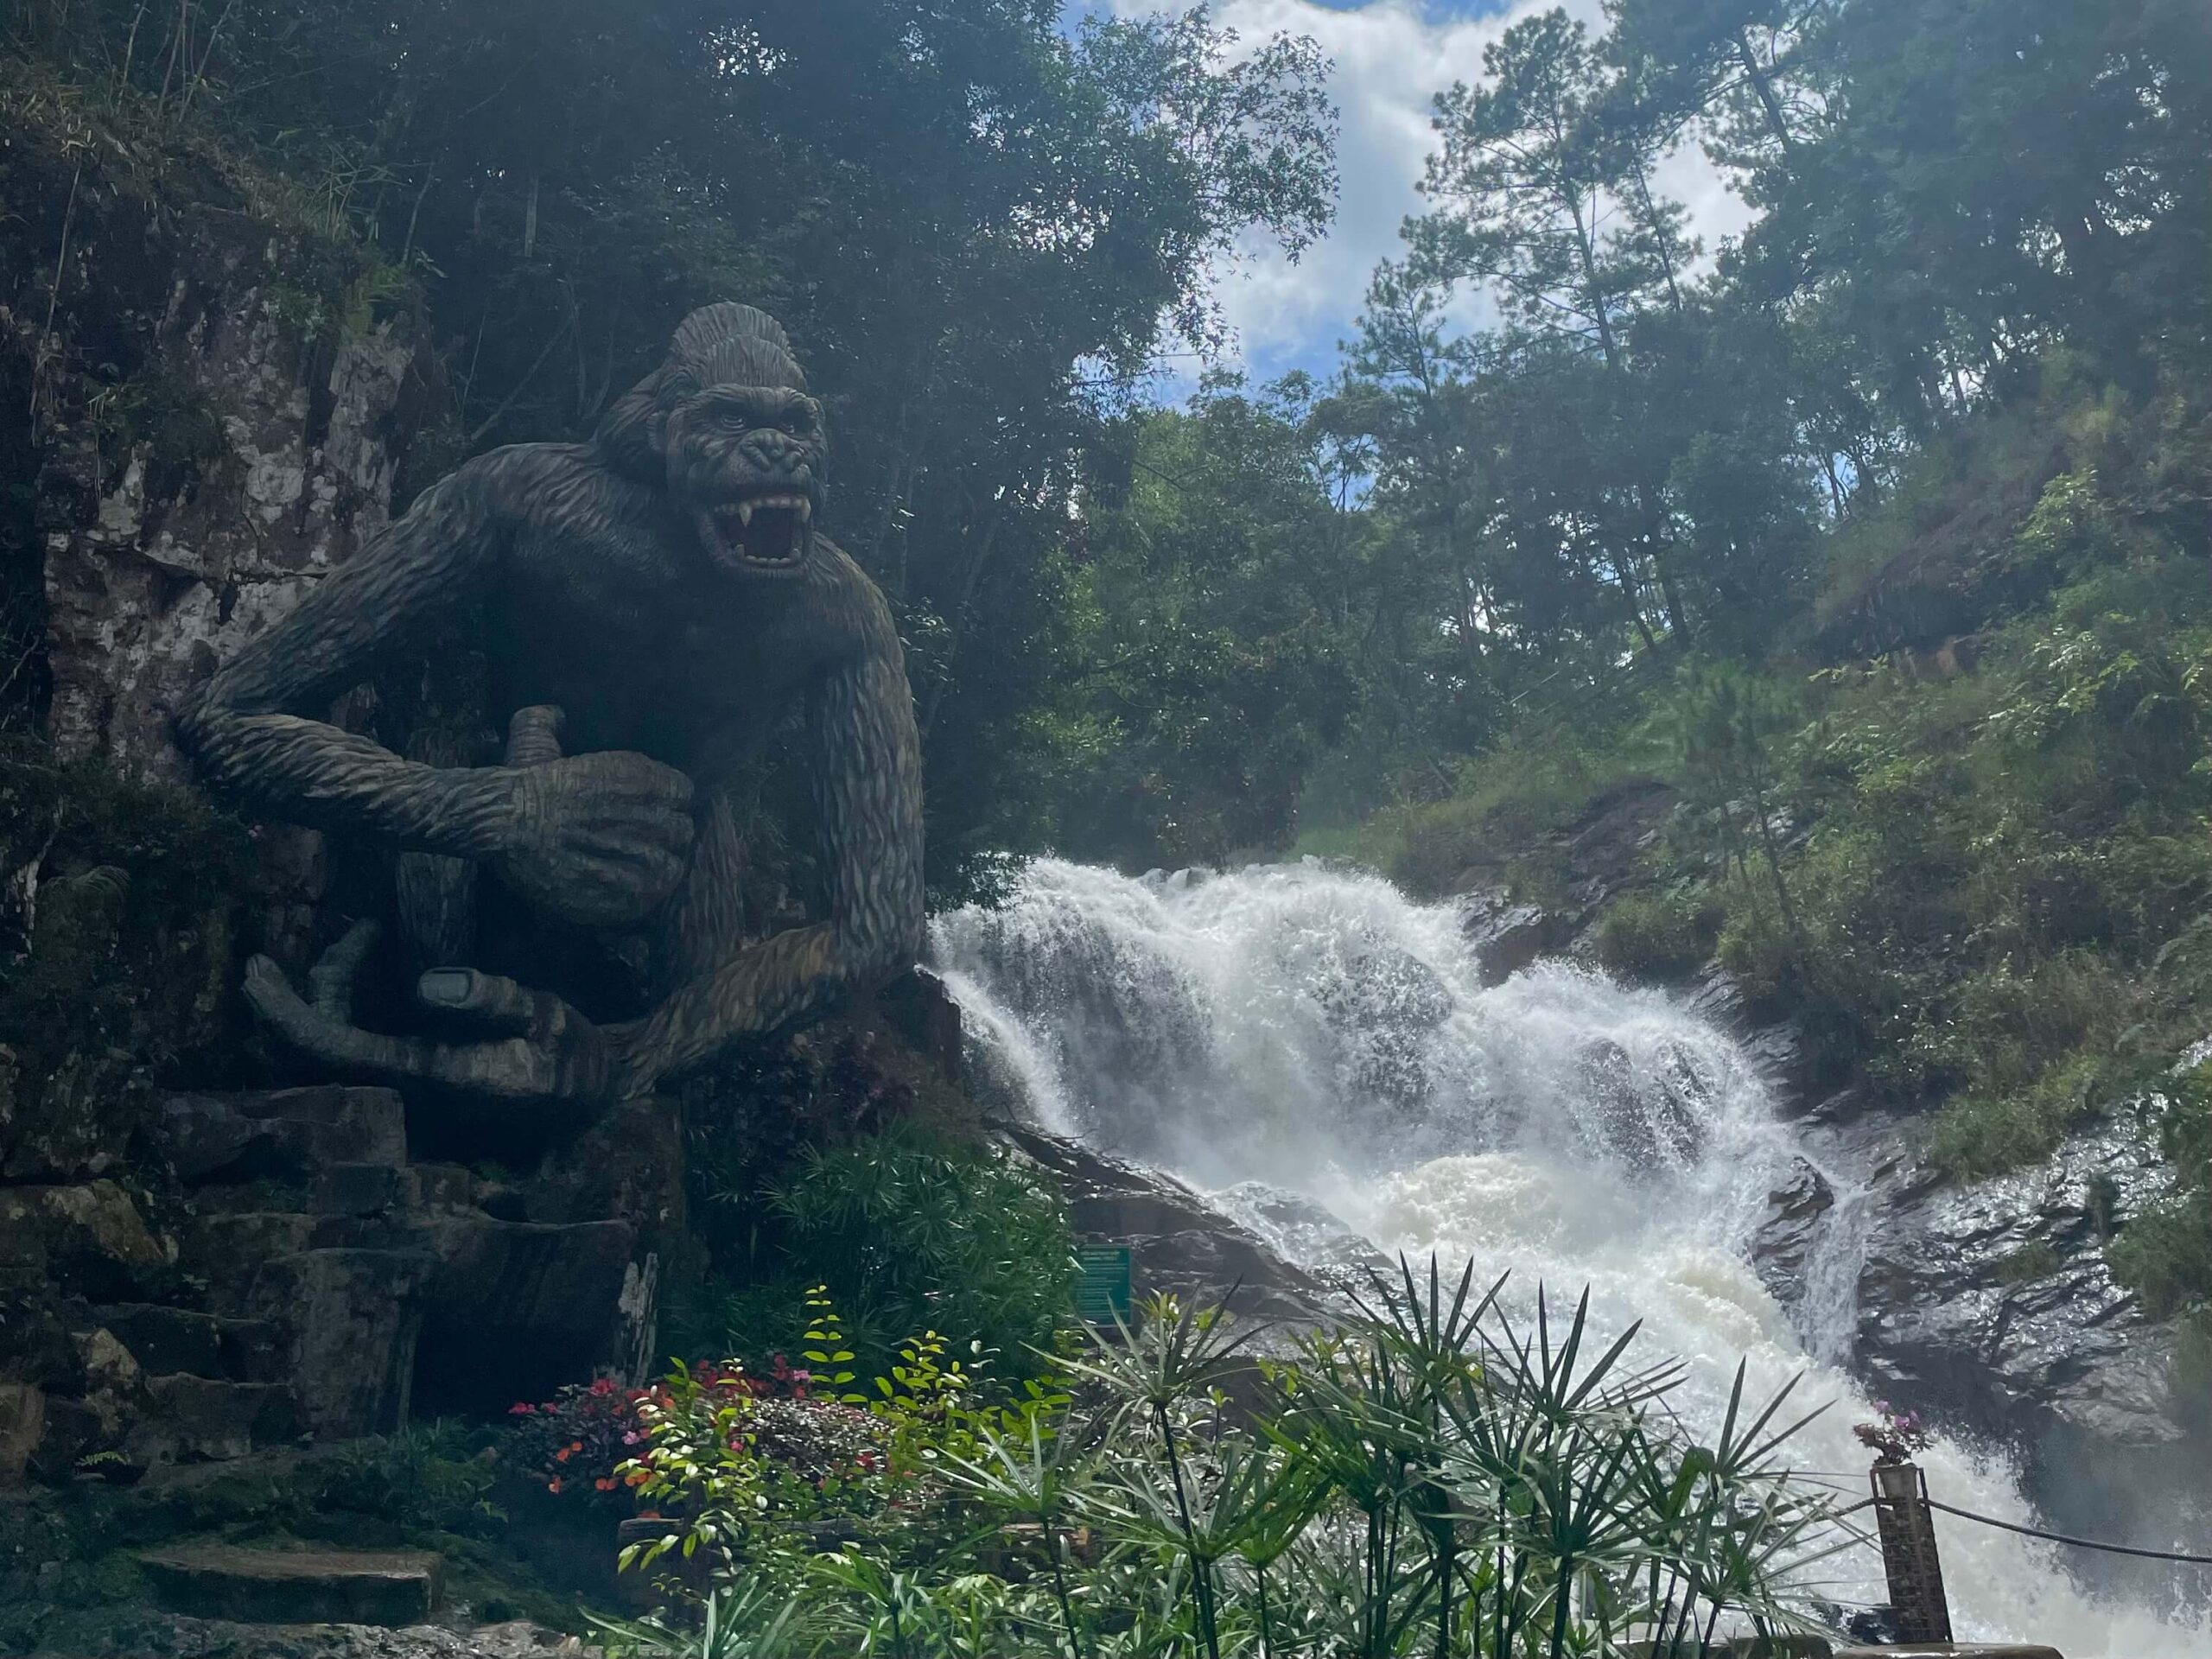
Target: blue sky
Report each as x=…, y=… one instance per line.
x=1391, y=58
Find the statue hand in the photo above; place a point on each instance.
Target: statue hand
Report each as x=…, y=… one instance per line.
x=525, y=1044
x=601, y=840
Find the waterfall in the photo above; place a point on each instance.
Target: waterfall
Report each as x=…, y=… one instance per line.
x=1309, y=1029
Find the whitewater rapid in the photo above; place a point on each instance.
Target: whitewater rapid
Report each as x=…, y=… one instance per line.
x=1308, y=1029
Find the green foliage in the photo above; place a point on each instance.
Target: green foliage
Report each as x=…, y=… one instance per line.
x=1223, y=629
x=755, y=1471
x=907, y=1230
x=1429, y=1479
x=1507, y=805
x=425, y=1478
x=2165, y=1254
x=1658, y=936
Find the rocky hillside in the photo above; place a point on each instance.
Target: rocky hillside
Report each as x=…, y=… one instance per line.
x=1989, y=1301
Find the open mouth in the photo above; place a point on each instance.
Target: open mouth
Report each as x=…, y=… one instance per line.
x=766, y=532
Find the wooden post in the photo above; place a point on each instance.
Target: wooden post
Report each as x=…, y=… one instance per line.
x=1908, y=1560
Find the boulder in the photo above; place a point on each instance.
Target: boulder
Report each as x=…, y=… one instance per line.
x=205, y=1420
x=89, y=1237
x=1993, y=1296
x=1179, y=1242
x=1797, y=1211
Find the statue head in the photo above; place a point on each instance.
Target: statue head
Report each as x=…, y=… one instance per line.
x=727, y=424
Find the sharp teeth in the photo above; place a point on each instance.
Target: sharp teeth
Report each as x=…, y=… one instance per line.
x=805, y=509
x=745, y=513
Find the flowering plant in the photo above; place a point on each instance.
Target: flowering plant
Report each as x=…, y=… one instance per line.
x=577, y=1441
x=762, y=1470
x=1897, y=1436
x=574, y=1442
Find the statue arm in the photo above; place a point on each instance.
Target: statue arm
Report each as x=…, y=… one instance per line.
x=244, y=727
x=868, y=788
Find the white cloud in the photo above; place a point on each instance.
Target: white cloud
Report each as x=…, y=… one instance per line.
x=1391, y=58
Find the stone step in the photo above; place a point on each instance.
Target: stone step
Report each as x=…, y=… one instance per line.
x=334, y=1191
x=183, y=1341
x=208, y=1419
x=307, y=1586
x=282, y=1133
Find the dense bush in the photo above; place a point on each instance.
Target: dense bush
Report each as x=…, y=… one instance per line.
x=907, y=1230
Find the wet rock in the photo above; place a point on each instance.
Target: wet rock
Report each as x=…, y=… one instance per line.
x=1303, y=1230
x=1180, y=1244
x=1505, y=937
x=1993, y=1297
x=297, y=1586
x=917, y=1005
x=1383, y=1006
x=1796, y=1213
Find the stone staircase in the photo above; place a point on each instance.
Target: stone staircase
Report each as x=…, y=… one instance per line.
x=309, y=1276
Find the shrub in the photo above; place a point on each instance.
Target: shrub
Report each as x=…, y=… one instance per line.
x=2165, y=1254
x=1658, y=935
x=424, y=1477
x=574, y=1442
x=908, y=1231
x=1981, y=1133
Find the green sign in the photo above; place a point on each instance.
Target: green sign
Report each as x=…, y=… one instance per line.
x=1102, y=1295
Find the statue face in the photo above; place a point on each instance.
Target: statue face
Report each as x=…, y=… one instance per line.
x=746, y=461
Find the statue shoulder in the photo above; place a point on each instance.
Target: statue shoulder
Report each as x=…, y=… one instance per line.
x=526, y=483
x=849, y=600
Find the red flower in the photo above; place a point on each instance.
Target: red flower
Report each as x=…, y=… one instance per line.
x=603, y=1484
x=522, y=1408
x=554, y=1485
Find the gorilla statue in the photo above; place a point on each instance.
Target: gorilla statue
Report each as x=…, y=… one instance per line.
x=658, y=599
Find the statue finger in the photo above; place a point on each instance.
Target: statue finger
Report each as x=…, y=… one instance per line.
x=489, y=1003
x=534, y=734
x=314, y=1033
x=642, y=780
x=332, y=977
x=634, y=848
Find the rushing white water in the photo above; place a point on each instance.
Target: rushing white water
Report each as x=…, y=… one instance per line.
x=1311, y=1029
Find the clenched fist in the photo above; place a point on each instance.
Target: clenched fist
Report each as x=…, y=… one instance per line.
x=601, y=840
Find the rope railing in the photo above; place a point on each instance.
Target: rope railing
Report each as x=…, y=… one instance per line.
x=2182, y=1556
x=1905, y=1533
